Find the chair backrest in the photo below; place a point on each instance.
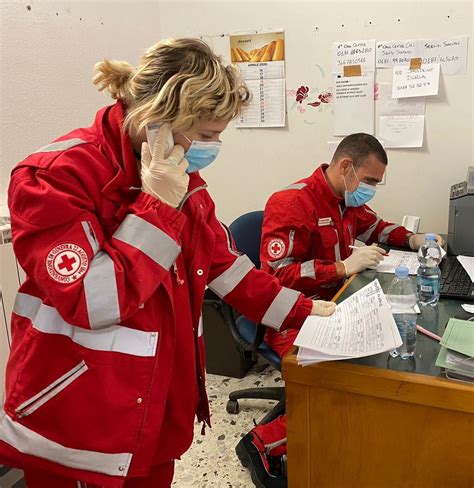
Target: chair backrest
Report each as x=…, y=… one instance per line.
x=247, y=233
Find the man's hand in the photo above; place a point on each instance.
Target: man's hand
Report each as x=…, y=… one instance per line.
x=320, y=307
x=362, y=258
x=417, y=240
x=164, y=178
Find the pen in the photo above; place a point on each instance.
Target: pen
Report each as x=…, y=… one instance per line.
x=356, y=247
x=427, y=332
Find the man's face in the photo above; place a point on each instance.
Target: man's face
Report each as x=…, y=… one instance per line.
x=371, y=172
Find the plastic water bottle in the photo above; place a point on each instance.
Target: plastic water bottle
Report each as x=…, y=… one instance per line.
x=402, y=298
x=429, y=274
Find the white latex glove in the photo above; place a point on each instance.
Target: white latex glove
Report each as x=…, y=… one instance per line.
x=320, y=307
x=417, y=240
x=362, y=258
x=165, y=179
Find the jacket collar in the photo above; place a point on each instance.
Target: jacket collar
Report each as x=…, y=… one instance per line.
x=118, y=148
x=320, y=187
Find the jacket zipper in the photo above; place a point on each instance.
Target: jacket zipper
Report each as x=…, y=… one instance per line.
x=229, y=240
x=35, y=402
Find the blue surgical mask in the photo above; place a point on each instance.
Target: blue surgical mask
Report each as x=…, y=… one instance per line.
x=201, y=154
x=361, y=195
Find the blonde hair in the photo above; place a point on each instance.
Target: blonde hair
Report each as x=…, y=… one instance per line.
x=178, y=81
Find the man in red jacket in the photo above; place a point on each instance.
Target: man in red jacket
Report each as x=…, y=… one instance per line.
x=308, y=230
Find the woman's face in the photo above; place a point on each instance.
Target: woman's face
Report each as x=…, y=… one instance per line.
x=206, y=130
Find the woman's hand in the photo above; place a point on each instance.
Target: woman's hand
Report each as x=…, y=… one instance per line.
x=164, y=178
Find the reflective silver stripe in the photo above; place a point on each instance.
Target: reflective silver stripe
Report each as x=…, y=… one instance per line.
x=307, y=270
x=100, y=288
x=29, y=442
x=232, y=276
x=351, y=239
x=291, y=238
x=294, y=186
x=117, y=338
x=383, y=236
x=337, y=249
x=269, y=447
x=150, y=240
x=27, y=305
x=61, y=145
x=364, y=237
x=90, y=235
x=200, y=327
x=281, y=263
x=280, y=308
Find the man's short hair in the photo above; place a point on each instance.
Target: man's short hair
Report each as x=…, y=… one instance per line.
x=359, y=147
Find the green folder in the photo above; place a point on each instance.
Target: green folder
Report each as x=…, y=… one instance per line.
x=458, y=336
x=441, y=362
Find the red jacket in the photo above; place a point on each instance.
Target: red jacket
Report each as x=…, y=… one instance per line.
x=106, y=369
x=307, y=228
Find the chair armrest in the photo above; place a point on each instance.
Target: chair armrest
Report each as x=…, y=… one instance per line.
x=229, y=315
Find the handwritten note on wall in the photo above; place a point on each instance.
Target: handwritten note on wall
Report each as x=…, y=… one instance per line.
x=422, y=82
x=386, y=105
x=450, y=53
x=395, y=53
x=352, y=53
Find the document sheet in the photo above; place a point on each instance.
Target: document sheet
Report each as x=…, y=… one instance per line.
x=468, y=264
x=398, y=258
x=362, y=325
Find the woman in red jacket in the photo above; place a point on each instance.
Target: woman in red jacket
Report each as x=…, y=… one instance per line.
x=119, y=240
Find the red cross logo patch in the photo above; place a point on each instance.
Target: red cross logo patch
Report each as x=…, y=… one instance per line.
x=66, y=263
x=276, y=248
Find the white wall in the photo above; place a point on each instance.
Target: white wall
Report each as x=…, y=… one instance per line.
x=47, y=55
x=256, y=162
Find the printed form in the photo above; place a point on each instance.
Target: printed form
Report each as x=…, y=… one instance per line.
x=362, y=325
x=396, y=259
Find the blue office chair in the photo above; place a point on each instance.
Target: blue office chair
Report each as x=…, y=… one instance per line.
x=247, y=232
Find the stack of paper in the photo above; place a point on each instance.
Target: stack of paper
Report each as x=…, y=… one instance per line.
x=457, y=351
x=362, y=325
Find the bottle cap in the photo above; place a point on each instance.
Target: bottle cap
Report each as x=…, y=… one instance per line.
x=430, y=237
x=402, y=271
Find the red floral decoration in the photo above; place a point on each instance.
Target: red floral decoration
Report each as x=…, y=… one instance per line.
x=302, y=93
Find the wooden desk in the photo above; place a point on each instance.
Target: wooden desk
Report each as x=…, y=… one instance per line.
x=356, y=425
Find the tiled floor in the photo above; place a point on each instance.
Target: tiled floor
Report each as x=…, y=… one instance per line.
x=211, y=461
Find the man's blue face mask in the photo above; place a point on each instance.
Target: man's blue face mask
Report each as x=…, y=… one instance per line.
x=201, y=154
x=361, y=195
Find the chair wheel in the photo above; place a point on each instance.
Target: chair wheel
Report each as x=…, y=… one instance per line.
x=232, y=406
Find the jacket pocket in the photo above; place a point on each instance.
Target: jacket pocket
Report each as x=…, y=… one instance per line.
x=32, y=404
